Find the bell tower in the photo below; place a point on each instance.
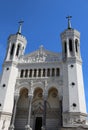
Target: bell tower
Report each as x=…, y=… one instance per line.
x=70, y=42
x=16, y=47
x=74, y=108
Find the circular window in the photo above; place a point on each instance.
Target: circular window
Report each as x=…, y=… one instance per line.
x=73, y=83
x=7, y=68
x=74, y=104
x=4, y=85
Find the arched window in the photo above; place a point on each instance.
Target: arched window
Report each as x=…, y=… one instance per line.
x=12, y=49
x=65, y=47
x=35, y=72
x=26, y=73
x=21, y=74
x=76, y=45
x=39, y=73
x=30, y=74
x=48, y=72
x=43, y=73
x=53, y=72
x=70, y=45
x=57, y=72
x=18, y=48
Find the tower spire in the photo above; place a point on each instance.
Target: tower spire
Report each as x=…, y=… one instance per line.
x=20, y=26
x=69, y=22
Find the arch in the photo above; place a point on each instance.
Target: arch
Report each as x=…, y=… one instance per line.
x=76, y=45
x=53, y=89
x=12, y=49
x=38, y=91
x=70, y=45
x=23, y=85
x=23, y=90
x=38, y=85
x=22, y=109
x=37, y=102
x=18, y=49
x=52, y=85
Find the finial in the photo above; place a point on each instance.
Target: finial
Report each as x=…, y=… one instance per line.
x=20, y=26
x=69, y=22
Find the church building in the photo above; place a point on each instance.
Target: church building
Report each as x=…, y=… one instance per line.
x=43, y=90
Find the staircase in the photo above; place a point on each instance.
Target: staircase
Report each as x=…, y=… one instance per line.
x=21, y=120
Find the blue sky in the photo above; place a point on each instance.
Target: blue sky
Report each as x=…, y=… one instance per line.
x=44, y=20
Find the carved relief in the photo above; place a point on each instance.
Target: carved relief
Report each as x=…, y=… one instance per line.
x=41, y=55
x=74, y=119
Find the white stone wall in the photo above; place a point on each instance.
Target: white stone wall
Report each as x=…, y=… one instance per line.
x=7, y=93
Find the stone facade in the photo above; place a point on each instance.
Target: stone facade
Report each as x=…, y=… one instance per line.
x=43, y=90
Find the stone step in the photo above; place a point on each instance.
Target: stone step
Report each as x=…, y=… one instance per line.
x=52, y=124
x=20, y=123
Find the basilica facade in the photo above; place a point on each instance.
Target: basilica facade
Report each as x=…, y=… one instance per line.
x=43, y=90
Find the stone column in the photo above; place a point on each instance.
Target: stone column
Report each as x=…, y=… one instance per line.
x=27, y=127
x=14, y=113
x=67, y=42
x=44, y=112
x=74, y=47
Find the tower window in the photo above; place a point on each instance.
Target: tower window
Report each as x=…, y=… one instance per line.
x=12, y=49
x=76, y=45
x=65, y=47
x=57, y=72
x=18, y=49
x=70, y=45
x=21, y=74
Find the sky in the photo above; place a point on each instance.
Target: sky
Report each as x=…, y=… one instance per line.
x=44, y=20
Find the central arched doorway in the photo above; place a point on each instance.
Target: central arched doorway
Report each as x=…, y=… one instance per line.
x=37, y=109
x=22, y=110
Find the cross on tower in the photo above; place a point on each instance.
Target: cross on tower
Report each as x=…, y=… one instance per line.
x=69, y=22
x=20, y=26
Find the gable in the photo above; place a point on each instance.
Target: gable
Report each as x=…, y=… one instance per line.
x=41, y=55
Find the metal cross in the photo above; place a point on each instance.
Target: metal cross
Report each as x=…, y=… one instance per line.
x=20, y=22
x=69, y=22
x=20, y=26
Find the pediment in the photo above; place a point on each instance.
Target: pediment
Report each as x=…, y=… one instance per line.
x=41, y=55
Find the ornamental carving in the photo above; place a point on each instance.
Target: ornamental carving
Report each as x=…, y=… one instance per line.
x=41, y=55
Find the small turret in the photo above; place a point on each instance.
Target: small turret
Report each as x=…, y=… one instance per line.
x=16, y=45
x=70, y=42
